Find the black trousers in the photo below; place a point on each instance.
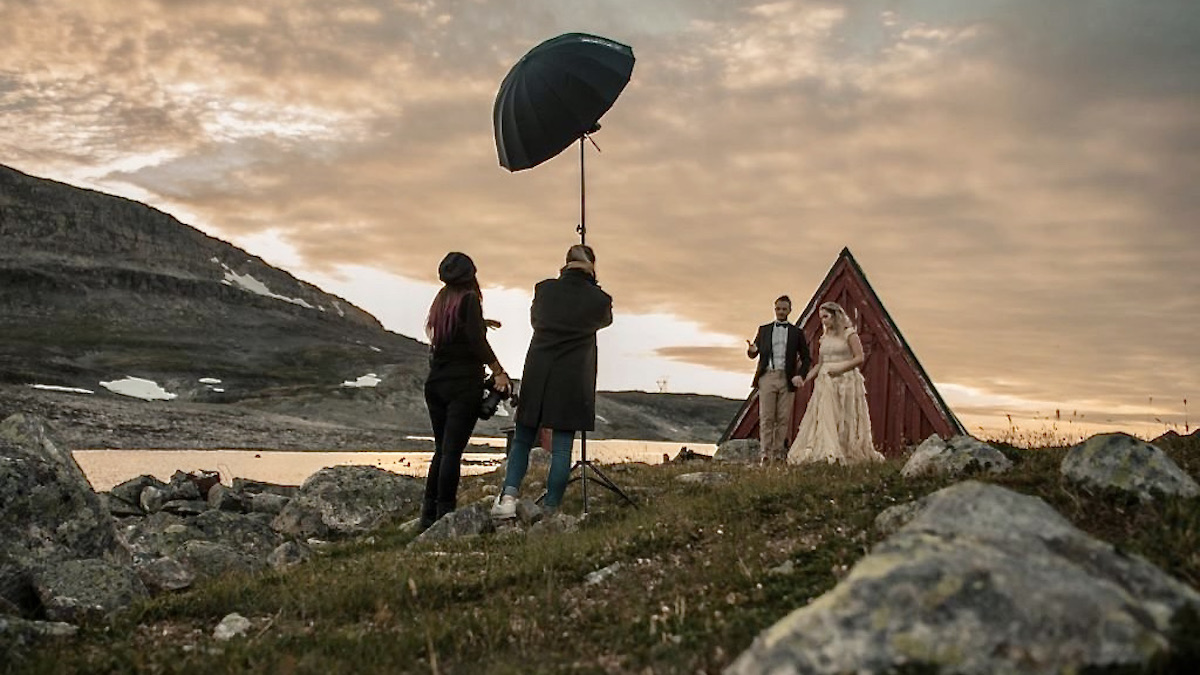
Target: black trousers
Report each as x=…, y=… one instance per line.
x=453, y=410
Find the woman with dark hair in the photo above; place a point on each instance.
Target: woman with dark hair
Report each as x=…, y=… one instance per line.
x=454, y=389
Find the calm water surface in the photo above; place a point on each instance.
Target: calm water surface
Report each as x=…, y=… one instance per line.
x=106, y=468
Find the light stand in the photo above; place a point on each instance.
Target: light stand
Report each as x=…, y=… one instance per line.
x=584, y=464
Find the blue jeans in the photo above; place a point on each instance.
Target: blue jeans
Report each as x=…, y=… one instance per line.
x=560, y=463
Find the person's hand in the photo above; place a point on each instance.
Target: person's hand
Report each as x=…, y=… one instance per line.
x=491, y=323
x=502, y=381
x=751, y=346
x=798, y=381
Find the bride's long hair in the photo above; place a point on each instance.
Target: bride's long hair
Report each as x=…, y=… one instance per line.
x=841, y=322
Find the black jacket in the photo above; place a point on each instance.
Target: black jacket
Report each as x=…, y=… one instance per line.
x=464, y=354
x=797, y=353
x=558, y=387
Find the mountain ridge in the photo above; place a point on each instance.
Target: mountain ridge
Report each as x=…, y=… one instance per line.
x=95, y=288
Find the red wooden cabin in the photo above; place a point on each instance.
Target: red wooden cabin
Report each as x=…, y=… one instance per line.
x=905, y=406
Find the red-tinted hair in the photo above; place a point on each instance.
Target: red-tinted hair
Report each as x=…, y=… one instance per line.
x=443, y=313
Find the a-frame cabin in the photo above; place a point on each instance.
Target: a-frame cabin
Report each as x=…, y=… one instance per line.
x=905, y=406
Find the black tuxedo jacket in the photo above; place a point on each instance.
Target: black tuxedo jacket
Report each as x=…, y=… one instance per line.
x=797, y=353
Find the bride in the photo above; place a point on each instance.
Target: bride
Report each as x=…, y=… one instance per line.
x=836, y=426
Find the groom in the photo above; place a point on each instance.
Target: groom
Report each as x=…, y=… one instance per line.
x=780, y=348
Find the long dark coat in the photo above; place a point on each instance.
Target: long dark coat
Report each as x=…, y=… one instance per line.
x=558, y=387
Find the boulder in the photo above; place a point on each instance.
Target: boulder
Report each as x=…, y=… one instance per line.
x=222, y=498
x=981, y=580
x=152, y=498
x=209, y=560
x=345, y=500
x=267, y=502
x=158, y=534
x=287, y=554
x=48, y=513
x=961, y=455
x=469, y=521
x=78, y=591
x=251, y=535
x=741, y=450
x=185, y=507
x=130, y=491
x=18, y=633
x=558, y=523
x=233, y=625
x=118, y=507
x=891, y=519
x=246, y=486
x=164, y=574
x=1122, y=462
x=183, y=486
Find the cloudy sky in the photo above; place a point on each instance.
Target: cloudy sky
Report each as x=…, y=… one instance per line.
x=1016, y=177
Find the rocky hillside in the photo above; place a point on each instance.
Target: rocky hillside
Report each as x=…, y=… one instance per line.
x=96, y=289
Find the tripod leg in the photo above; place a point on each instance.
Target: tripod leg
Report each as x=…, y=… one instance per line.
x=608, y=483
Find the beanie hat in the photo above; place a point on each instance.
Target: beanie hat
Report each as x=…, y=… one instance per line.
x=456, y=268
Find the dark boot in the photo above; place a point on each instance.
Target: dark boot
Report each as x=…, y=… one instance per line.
x=428, y=514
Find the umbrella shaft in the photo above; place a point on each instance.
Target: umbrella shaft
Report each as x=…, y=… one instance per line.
x=582, y=197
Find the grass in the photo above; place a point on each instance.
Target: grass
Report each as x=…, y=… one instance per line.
x=701, y=572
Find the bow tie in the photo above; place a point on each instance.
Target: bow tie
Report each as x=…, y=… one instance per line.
x=782, y=324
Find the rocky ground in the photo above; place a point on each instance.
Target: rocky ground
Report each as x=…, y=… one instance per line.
x=95, y=421
x=330, y=420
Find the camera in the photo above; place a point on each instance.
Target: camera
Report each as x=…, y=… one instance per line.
x=493, y=396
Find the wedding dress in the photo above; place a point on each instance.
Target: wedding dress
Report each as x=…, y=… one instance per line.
x=836, y=426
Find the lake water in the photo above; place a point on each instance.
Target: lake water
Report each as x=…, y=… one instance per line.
x=106, y=468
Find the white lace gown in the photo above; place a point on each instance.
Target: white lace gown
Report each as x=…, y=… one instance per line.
x=836, y=426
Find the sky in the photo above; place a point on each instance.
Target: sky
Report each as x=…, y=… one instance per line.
x=1015, y=177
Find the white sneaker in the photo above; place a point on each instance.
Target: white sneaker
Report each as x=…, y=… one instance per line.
x=505, y=507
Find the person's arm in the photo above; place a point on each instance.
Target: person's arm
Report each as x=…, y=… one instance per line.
x=856, y=358
x=802, y=355
x=752, y=347
x=476, y=331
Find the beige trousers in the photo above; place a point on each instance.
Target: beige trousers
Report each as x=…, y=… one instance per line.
x=774, y=412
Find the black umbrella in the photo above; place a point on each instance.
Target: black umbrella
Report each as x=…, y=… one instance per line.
x=556, y=95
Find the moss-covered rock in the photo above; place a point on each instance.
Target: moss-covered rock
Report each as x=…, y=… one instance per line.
x=1122, y=462
x=981, y=580
x=48, y=511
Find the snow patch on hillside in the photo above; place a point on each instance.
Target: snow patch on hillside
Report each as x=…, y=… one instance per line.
x=55, y=387
x=368, y=380
x=147, y=390
x=247, y=282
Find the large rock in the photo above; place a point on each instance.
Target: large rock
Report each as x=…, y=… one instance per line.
x=18, y=633
x=158, y=534
x=1123, y=462
x=961, y=455
x=48, y=511
x=251, y=534
x=210, y=560
x=742, y=450
x=76, y=591
x=469, y=521
x=130, y=491
x=981, y=580
x=161, y=575
x=344, y=500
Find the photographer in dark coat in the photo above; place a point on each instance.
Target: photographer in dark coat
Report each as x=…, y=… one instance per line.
x=558, y=387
